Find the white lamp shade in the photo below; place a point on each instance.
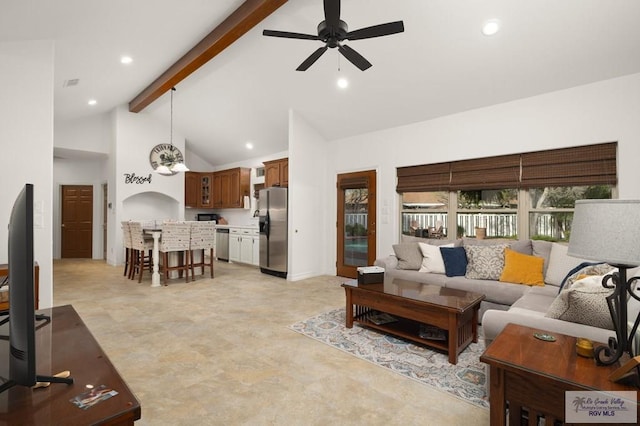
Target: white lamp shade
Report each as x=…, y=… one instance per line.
x=606, y=231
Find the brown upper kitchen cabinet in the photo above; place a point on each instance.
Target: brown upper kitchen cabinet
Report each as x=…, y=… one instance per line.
x=230, y=187
x=198, y=188
x=276, y=173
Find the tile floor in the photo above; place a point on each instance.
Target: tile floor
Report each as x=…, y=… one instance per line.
x=218, y=352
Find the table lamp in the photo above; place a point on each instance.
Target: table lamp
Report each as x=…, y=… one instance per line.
x=609, y=231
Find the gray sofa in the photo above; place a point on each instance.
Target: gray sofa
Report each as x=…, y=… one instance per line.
x=505, y=302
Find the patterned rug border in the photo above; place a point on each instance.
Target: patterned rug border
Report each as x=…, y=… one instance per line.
x=466, y=381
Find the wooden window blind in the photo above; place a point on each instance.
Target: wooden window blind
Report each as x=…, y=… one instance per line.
x=429, y=177
x=582, y=165
x=486, y=173
x=353, y=182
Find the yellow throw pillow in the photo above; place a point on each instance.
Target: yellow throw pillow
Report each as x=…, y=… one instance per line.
x=522, y=269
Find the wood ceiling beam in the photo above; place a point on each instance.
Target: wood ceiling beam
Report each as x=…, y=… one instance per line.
x=247, y=16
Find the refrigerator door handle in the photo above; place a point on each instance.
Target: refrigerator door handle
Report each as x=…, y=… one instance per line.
x=267, y=225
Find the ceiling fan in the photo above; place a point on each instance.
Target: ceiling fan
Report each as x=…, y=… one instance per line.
x=333, y=31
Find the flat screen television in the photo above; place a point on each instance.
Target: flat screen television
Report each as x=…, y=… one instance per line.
x=22, y=315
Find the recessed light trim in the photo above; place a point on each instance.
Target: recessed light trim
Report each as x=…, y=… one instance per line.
x=491, y=27
x=92, y=102
x=126, y=60
x=249, y=145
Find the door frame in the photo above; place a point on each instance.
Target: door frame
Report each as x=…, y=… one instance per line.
x=355, y=180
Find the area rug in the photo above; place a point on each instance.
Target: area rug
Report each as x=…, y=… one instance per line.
x=467, y=380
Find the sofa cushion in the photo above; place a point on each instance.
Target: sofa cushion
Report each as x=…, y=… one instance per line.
x=522, y=246
x=583, y=270
x=485, y=262
x=560, y=263
x=455, y=261
x=522, y=269
x=584, y=303
x=542, y=249
x=430, y=241
x=494, y=291
x=432, y=258
x=409, y=255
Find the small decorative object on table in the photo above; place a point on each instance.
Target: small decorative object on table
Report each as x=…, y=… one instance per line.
x=544, y=337
x=370, y=275
x=584, y=347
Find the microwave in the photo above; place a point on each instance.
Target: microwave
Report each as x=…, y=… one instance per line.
x=207, y=216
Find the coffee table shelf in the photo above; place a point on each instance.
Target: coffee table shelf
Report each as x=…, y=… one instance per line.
x=405, y=328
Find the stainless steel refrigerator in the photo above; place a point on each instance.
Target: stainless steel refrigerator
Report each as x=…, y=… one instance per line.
x=272, y=207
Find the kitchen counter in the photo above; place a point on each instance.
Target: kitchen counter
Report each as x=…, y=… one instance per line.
x=254, y=227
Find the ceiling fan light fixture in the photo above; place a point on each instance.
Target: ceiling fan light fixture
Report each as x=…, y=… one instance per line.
x=163, y=170
x=342, y=83
x=179, y=167
x=491, y=27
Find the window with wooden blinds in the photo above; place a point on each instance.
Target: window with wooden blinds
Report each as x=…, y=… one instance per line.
x=428, y=177
x=575, y=166
x=582, y=165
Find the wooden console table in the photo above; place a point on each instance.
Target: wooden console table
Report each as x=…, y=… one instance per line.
x=66, y=344
x=531, y=376
x=4, y=295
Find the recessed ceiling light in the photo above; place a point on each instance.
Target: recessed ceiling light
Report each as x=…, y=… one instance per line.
x=126, y=60
x=249, y=145
x=343, y=83
x=491, y=27
x=92, y=102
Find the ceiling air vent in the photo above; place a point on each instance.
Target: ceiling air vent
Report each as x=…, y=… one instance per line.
x=71, y=82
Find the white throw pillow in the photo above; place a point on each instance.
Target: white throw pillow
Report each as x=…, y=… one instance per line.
x=432, y=258
x=560, y=264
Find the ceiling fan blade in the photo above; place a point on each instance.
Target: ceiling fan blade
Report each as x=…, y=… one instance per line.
x=286, y=34
x=376, y=31
x=312, y=58
x=332, y=12
x=354, y=57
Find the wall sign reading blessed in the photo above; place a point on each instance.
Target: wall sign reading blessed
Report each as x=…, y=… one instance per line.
x=133, y=179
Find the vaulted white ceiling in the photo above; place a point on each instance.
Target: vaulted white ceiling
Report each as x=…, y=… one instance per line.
x=442, y=64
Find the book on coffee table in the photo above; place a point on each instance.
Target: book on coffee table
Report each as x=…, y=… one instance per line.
x=432, y=332
x=379, y=318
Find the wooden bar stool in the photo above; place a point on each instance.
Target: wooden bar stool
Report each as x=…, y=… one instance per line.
x=175, y=239
x=141, y=249
x=126, y=242
x=203, y=239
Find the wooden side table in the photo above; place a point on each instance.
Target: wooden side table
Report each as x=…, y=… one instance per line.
x=532, y=376
x=4, y=301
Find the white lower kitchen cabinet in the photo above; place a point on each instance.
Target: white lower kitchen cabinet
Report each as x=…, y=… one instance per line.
x=242, y=246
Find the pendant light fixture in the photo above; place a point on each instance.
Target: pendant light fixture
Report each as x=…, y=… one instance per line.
x=176, y=162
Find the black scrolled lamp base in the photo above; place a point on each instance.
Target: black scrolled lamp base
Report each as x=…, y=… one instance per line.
x=617, y=302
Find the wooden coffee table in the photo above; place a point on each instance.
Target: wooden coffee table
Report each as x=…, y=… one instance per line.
x=414, y=304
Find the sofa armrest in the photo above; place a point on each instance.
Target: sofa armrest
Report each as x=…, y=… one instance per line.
x=493, y=321
x=389, y=262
